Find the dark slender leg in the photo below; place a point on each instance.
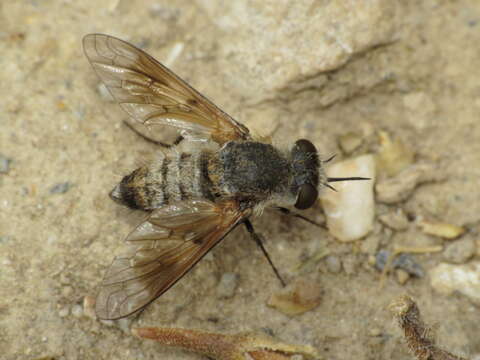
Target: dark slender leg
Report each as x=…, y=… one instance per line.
x=291, y=213
x=153, y=141
x=258, y=240
x=136, y=315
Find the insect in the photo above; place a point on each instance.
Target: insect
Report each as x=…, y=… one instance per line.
x=215, y=177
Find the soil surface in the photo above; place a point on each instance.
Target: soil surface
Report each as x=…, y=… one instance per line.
x=317, y=69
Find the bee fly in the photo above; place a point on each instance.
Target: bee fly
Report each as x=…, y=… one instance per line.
x=215, y=177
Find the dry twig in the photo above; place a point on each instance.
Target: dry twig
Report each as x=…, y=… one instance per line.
x=417, y=333
x=243, y=346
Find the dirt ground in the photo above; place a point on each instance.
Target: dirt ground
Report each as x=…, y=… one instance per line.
x=411, y=71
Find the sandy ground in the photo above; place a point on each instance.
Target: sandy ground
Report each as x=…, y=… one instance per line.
x=414, y=74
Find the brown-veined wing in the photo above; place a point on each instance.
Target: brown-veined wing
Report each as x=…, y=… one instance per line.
x=163, y=249
x=152, y=94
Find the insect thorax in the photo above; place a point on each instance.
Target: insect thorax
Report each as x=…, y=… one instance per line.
x=253, y=170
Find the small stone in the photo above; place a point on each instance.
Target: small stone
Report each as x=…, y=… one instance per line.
x=77, y=311
x=414, y=239
x=63, y=312
x=124, y=324
x=60, y=188
x=333, y=264
x=395, y=220
x=5, y=239
x=370, y=244
x=350, y=263
x=460, y=251
x=4, y=164
x=350, y=210
x=297, y=298
x=64, y=279
x=393, y=155
x=89, y=307
x=447, y=278
x=402, y=261
x=443, y=230
x=350, y=142
x=227, y=285
x=375, y=332
x=402, y=276
x=67, y=291
x=109, y=323
x=400, y=187
x=104, y=93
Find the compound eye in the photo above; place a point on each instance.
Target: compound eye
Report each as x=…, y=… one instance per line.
x=305, y=146
x=306, y=197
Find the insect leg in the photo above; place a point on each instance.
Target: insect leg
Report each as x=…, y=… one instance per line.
x=177, y=141
x=286, y=211
x=258, y=240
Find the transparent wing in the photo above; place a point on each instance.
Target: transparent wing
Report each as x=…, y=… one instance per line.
x=152, y=94
x=163, y=249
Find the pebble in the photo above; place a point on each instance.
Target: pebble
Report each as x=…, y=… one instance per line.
x=443, y=230
x=89, y=307
x=350, y=263
x=402, y=276
x=395, y=220
x=63, y=312
x=370, y=244
x=350, y=142
x=402, y=261
x=460, y=251
x=333, y=264
x=297, y=298
x=400, y=187
x=77, y=311
x=5, y=239
x=350, y=210
x=393, y=155
x=465, y=279
x=64, y=279
x=227, y=285
x=67, y=291
x=104, y=93
x=123, y=324
x=414, y=239
x=60, y=188
x=375, y=332
x=4, y=164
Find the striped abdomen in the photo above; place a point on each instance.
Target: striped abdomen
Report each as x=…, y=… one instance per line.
x=170, y=178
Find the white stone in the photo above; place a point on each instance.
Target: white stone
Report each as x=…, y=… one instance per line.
x=350, y=210
x=447, y=278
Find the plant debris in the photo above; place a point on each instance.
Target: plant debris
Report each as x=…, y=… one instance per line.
x=418, y=335
x=443, y=230
x=297, y=298
x=242, y=346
